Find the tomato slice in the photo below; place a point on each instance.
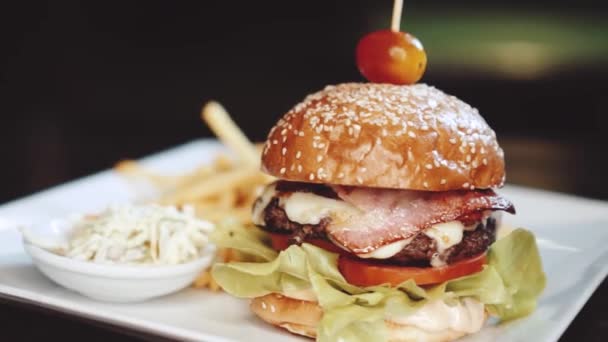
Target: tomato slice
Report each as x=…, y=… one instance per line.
x=364, y=273
x=281, y=242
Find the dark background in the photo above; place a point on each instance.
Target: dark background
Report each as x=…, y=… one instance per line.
x=84, y=84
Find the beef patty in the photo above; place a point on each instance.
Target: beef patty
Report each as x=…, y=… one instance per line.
x=417, y=253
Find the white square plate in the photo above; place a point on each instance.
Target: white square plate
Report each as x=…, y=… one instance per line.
x=572, y=234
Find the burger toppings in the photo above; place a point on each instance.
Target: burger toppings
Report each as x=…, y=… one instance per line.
x=393, y=215
x=404, y=227
x=506, y=287
x=363, y=273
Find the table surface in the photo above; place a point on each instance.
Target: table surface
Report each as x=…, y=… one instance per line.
x=32, y=323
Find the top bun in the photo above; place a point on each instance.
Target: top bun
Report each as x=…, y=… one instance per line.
x=388, y=136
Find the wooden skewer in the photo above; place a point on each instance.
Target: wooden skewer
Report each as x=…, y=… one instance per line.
x=397, y=9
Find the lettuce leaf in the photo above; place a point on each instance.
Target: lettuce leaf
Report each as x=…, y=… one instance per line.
x=509, y=284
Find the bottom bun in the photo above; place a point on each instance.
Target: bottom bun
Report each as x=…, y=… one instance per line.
x=302, y=318
x=297, y=316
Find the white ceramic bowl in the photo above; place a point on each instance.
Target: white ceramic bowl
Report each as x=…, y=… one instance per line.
x=115, y=283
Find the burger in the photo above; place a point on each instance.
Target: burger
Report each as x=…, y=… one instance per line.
x=382, y=223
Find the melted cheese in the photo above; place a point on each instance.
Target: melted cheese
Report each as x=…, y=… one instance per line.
x=308, y=208
x=386, y=251
x=445, y=235
x=261, y=203
x=466, y=316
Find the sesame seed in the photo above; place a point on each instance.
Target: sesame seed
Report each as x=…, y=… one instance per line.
x=319, y=158
x=359, y=180
x=411, y=134
x=472, y=187
x=363, y=169
x=468, y=159
x=341, y=175
x=284, y=150
x=428, y=166
x=453, y=141
x=301, y=133
x=485, y=161
x=298, y=154
x=299, y=168
x=282, y=171
x=465, y=185
x=274, y=142
x=482, y=150
x=443, y=181
x=311, y=176
x=284, y=131
x=425, y=184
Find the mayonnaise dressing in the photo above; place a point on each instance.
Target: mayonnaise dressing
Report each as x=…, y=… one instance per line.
x=466, y=316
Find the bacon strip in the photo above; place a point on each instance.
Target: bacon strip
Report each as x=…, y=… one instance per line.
x=390, y=215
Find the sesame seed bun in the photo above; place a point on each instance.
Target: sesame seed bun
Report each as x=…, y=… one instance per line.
x=382, y=135
x=302, y=318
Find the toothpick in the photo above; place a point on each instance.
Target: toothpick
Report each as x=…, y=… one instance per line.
x=397, y=9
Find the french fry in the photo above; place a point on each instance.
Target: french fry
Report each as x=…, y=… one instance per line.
x=211, y=186
x=226, y=130
x=202, y=280
x=213, y=285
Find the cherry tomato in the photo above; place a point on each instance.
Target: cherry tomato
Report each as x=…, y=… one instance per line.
x=391, y=57
x=365, y=273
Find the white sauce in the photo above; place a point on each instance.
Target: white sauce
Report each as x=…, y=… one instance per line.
x=466, y=316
